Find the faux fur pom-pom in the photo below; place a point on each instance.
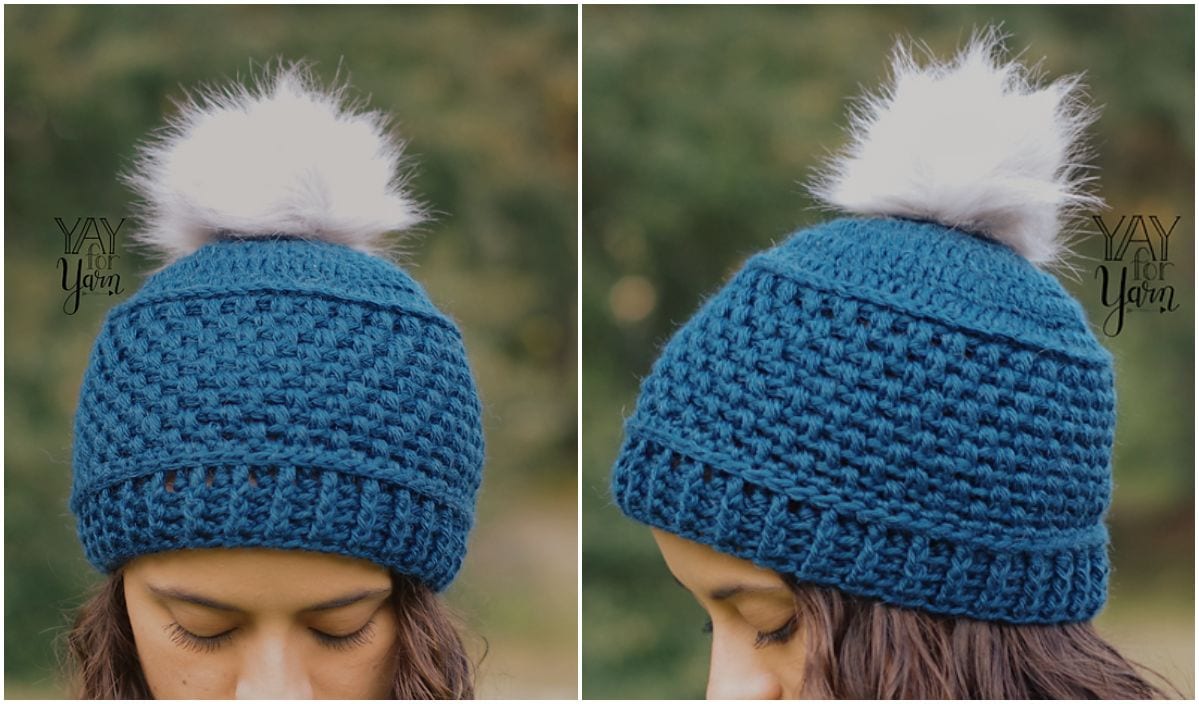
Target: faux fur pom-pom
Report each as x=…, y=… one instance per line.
x=976, y=143
x=279, y=156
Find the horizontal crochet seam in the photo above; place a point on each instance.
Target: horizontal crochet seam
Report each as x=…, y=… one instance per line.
x=433, y=489
x=127, y=307
x=1091, y=537
x=1101, y=356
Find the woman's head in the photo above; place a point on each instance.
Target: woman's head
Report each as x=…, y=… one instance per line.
x=265, y=623
x=280, y=416
x=905, y=407
x=776, y=638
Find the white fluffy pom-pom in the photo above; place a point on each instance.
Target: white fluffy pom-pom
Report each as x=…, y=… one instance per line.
x=975, y=144
x=281, y=156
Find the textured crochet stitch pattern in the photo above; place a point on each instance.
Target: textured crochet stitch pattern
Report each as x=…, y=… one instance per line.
x=893, y=408
x=279, y=393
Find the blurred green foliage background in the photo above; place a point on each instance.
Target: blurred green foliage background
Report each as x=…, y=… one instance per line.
x=699, y=124
x=486, y=98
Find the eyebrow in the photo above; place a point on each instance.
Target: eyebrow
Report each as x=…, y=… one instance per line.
x=181, y=595
x=736, y=589
x=733, y=590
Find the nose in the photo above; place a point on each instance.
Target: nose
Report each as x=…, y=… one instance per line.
x=737, y=670
x=272, y=669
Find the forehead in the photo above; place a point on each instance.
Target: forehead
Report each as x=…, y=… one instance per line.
x=699, y=566
x=253, y=576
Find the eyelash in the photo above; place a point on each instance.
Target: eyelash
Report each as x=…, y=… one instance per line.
x=779, y=635
x=182, y=636
x=187, y=639
x=359, y=637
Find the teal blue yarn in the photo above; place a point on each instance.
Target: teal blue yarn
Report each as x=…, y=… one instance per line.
x=892, y=408
x=279, y=393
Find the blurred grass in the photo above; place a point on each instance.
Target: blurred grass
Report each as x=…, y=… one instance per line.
x=486, y=97
x=698, y=123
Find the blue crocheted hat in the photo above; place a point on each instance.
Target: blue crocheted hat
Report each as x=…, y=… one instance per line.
x=278, y=383
x=902, y=406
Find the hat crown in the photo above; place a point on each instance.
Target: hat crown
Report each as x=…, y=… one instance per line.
x=942, y=273
x=287, y=264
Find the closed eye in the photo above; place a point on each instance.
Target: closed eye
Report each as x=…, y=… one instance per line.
x=779, y=635
x=206, y=644
x=362, y=636
x=185, y=638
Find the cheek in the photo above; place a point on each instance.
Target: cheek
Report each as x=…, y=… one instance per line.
x=173, y=672
x=789, y=662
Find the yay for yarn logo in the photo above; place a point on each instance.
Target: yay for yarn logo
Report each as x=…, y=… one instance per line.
x=1136, y=265
x=89, y=257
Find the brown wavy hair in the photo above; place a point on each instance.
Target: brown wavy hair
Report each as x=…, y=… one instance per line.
x=863, y=649
x=430, y=658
